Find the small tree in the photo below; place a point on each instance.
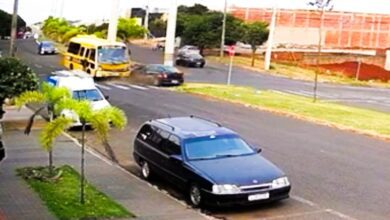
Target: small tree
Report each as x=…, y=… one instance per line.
x=100, y=121
x=255, y=34
x=48, y=98
x=128, y=28
x=15, y=78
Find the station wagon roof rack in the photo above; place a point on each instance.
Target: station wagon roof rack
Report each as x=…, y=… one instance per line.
x=163, y=123
x=208, y=120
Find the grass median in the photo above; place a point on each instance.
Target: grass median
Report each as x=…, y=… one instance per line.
x=62, y=196
x=344, y=117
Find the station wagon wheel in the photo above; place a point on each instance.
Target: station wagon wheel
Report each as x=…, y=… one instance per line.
x=145, y=170
x=195, y=196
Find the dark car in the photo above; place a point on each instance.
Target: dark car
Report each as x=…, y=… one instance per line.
x=190, y=60
x=212, y=163
x=46, y=47
x=157, y=74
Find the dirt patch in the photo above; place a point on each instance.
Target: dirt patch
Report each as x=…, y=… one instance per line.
x=367, y=71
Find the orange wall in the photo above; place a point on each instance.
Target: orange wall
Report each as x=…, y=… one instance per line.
x=341, y=29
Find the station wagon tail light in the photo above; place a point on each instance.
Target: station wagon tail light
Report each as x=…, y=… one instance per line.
x=226, y=189
x=280, y=183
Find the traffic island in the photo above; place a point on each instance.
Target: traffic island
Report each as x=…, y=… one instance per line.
x=61, y=194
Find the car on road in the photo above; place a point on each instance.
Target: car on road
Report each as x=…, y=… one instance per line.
x=213, y=164
x=82, y=87
x=190, y=60
x=188, y=49
x=46, y=47
x=157, y=74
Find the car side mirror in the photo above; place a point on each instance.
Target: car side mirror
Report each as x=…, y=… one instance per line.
x=176, y=158
x=107, y=97
x=259, y=150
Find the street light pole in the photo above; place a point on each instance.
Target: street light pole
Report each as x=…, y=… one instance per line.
x=112, y=26
x=13, y=29
x=223, y=30
x=171, y=34
x=146, y=22
x=315, y=88
x=267, y=61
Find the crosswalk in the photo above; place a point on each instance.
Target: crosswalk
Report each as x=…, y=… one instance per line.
x=125, y=87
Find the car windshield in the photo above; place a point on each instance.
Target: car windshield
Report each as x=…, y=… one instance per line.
x=113, y=55
x=90, y=95
x=216, y=147
x=47, y=44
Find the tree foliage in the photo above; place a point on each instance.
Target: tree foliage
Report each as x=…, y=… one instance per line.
x=256, y=34
x=15, y=78
x=128, y=28
x=5, y=23
x=199, y=26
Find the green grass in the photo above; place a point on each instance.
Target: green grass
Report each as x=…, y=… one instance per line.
x=361, y=120
x=62, y=197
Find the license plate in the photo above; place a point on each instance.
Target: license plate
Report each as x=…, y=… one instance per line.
x=258, y=197
x=175, y=81
x=198, y=63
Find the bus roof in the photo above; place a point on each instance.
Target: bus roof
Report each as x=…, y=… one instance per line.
x=94, y=41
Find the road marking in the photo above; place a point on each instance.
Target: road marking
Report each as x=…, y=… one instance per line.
x=118, y=86
x=138, y=87
x=103, y=87
x=155, y=87
x=313, y=204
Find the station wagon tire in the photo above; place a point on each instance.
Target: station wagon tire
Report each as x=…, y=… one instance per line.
x=195, y=196
x=145, y=170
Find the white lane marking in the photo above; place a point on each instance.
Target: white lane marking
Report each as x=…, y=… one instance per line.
x=154, y=87
x=103, y=87
x=118, y=86
x=339, y=214
x=313, y=204
x=138, y=87
x=38, y=66
x=299, y=214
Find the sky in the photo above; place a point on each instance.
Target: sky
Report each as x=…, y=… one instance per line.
x=90, y=10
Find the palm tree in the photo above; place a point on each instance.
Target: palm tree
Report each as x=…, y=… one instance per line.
x=47, y=98
x=100, y=121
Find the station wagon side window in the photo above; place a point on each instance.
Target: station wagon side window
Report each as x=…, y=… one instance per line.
x=172, y=146
x=145, y=132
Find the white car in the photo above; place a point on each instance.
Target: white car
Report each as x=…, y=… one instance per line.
x=188, y=49
x=82, y=87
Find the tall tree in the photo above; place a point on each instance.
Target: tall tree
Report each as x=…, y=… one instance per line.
x=255, y=34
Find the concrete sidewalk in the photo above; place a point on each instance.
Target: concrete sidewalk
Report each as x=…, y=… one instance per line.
x=18, y=201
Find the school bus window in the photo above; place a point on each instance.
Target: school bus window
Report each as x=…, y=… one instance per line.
x=87, y=53
x=82, y=51
x=73, y=48
x=92, y=54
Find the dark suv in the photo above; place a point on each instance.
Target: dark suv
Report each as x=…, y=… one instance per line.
x=212, y=163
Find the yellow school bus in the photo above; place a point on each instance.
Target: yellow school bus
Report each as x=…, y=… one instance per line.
x=96, y=56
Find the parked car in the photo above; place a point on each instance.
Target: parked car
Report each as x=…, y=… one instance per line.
x=188, y=49
x=212, y=163
x=190, y=60
x=46, y=47
x=157, y=74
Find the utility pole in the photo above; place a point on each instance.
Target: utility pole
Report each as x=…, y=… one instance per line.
x=14, y=24
x=171, y=34
x=113, y=25
x=315, y=88
x=146, y=22
x=267, y=61
x=223, y=30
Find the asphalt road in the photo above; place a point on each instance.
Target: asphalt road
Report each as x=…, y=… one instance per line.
x=335, y=174
x=371, y=98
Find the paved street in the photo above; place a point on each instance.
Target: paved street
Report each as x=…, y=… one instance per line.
x=372, y=98
x=335, y=174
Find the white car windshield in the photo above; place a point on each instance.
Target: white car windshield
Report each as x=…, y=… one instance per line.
x=90, y=95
